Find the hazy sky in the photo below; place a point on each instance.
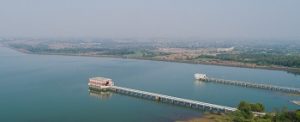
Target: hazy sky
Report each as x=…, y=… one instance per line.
x=203, y=19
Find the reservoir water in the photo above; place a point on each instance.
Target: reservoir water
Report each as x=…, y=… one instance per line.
x=54, y=88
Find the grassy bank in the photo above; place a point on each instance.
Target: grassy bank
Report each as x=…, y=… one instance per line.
x=244, y=114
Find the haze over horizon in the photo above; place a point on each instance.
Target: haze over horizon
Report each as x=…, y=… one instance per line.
x=205, y=19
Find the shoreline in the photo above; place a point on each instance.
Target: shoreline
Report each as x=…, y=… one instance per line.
x=295, y=71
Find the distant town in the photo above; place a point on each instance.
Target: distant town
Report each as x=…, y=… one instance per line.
x=261, y=54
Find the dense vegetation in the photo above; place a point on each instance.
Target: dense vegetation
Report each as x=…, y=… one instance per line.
x=258, y=107
x=264, y=59
x=260, y=59
x=280, y=54
x=244, y=114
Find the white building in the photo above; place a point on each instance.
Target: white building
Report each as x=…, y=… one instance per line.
x=199, y=76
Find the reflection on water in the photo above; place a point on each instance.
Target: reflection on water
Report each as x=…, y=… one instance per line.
x=199, y=83
x=103, y=95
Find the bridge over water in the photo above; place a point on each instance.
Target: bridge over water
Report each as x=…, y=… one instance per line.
x=168, y=99
x=105, y=84
x=254, y=85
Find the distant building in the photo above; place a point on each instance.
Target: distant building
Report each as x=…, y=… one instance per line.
x=225, y=49
x=100, y=82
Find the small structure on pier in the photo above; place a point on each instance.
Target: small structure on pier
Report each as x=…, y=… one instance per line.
x=199, y=76
x=100, y=83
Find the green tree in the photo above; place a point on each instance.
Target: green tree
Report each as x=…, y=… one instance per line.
x=245, y=109
x=258, y=107
x=297, y=115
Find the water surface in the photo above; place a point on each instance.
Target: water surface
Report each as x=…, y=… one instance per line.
x=54, y=88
